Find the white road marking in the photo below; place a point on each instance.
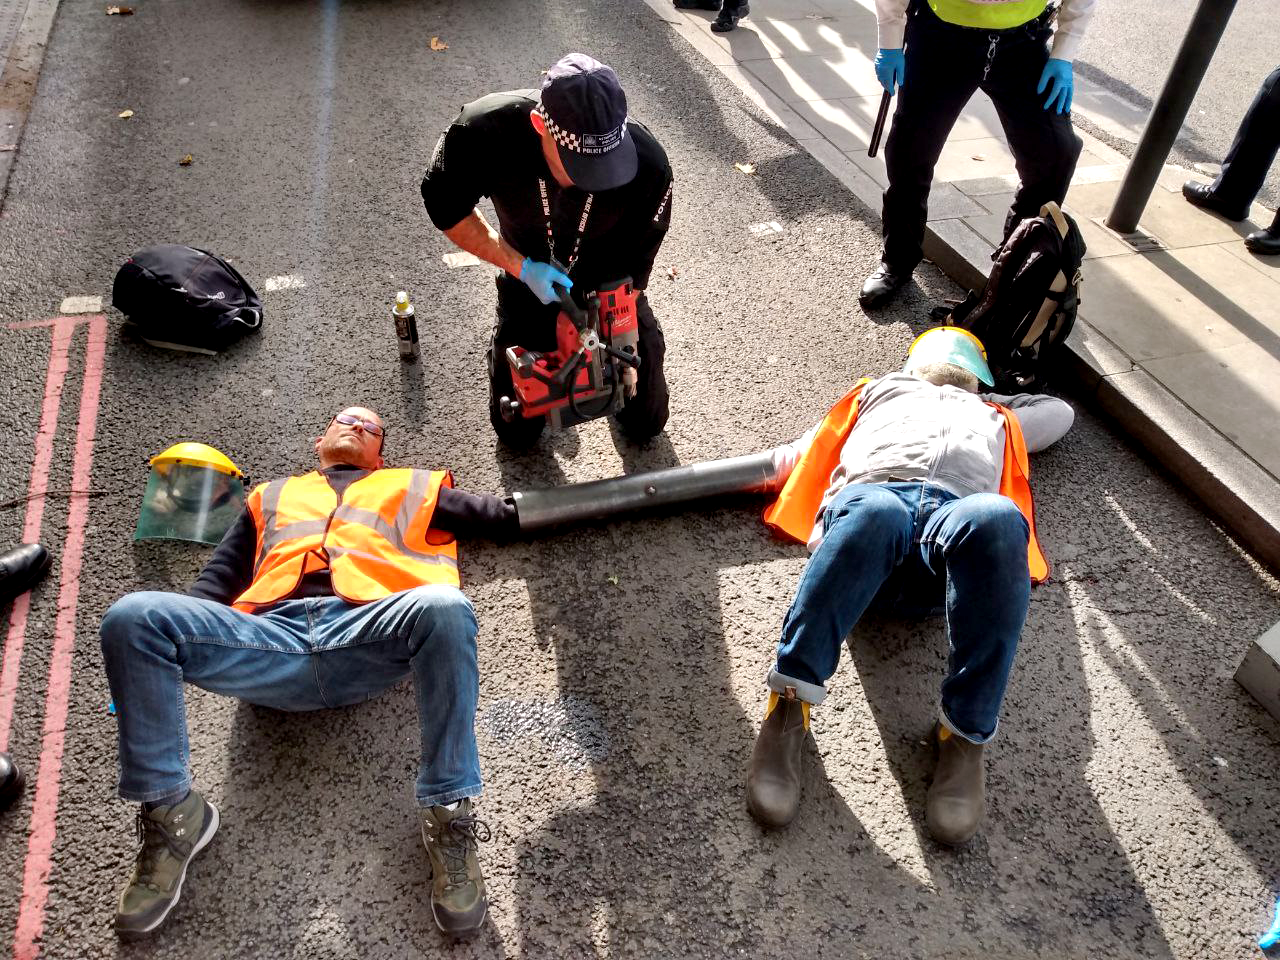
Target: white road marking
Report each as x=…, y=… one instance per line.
x=288, y=281
x=461, y=259
x=81, y=305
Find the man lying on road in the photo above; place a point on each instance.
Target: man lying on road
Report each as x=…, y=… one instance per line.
x=583, y=197
x=332, y=587
x=911, y=493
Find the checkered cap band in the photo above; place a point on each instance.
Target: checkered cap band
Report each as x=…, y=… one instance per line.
x=587, y=144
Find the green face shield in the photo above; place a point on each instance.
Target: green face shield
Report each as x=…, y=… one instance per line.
x=189, y=500
x=950, y=345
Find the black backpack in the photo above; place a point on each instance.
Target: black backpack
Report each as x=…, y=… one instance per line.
x=1028, y=305
x=186, y=299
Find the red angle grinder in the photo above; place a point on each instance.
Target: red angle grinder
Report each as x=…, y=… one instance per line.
x=592, y=371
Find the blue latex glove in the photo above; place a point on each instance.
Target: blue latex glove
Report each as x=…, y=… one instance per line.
x=542, y=279
x=1057, y=77
x=891, y=67
x=1272, y=936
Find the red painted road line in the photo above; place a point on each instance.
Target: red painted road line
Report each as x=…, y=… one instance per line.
x=44, y=811
x=36, y=490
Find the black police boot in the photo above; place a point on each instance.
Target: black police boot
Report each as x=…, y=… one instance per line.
x=696, y=4
x=1202, y=195
x=10, y=780
x=1265, y=242
x=21, y=569
x=882, y=286
x=728, y=19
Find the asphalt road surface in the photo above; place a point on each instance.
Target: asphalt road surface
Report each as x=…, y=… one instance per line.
x=1132, y=786
x=1130, y=48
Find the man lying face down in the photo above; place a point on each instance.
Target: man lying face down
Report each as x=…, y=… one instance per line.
x=911, y=493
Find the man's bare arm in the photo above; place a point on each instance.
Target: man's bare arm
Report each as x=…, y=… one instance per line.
x=474, y=235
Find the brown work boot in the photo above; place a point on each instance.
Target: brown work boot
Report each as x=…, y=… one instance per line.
x=773, y=778
x=458, y=899
x=957, y=798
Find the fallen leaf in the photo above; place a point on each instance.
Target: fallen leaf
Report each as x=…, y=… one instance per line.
x=119, y=11
x=747, y=168
x=186, y=161
x=978, y=156
x=125, y=114
x=612, y=579
x=437, y=44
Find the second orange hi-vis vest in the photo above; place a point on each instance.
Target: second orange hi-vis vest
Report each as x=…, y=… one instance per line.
x=795, y=511
x=376, y=542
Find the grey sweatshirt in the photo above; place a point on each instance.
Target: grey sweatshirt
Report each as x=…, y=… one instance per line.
x=908, y=429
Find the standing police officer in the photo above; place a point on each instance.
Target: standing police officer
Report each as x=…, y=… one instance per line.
x=1007, y=48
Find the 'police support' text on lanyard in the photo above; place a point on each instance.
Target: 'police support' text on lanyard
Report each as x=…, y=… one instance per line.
x=582, y=226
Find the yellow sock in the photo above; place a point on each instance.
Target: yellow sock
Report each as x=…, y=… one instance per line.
x=775, y=699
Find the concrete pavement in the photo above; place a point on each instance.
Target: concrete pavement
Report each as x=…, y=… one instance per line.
x=622, y=667
x=1179, y=337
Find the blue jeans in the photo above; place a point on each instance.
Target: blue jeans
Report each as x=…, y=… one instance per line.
x=914, y=547
x=297, y=655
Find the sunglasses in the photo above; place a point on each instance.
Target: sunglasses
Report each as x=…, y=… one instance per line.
x=369, y=426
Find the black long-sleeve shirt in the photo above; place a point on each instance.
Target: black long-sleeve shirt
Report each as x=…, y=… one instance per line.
x=465, y=515
x=492, y=150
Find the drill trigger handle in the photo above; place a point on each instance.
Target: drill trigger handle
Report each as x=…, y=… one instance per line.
x=575, y=312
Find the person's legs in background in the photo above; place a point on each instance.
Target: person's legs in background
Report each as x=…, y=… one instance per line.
x=1245, y=167
x=1045, y=147
x=943, y=67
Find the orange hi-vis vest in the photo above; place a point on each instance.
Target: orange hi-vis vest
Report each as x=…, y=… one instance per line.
x=376, y=542
x=795, y=511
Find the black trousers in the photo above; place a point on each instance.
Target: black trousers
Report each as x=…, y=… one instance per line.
x=946, y=64
x=642, y=416
x=1254, y=148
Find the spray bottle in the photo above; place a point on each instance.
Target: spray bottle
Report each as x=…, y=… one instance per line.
x=406, y=327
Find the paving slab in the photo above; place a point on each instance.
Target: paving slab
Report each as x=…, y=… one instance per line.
x=1233, y=389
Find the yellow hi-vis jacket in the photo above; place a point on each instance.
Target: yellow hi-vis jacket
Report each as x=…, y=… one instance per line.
x=795, y=511
x=376, y=542
x=988, y=14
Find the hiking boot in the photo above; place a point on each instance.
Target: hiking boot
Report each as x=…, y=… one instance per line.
x=773, y=777
x=171, y=837
x=458, y=899
x=728, y=19
x=958, y=795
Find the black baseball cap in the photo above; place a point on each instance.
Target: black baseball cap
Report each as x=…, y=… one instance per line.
x=585, y=112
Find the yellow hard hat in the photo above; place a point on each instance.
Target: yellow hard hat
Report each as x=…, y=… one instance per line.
x=197, y=454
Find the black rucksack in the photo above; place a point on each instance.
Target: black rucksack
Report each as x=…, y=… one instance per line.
x=186, y=299
x=1028, y=305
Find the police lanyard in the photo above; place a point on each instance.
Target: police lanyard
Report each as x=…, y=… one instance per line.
x=582, y=226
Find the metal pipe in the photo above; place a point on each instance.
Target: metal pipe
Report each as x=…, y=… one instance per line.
x=597, y=499
x=1170, y=110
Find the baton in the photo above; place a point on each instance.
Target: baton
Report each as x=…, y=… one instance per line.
x=878, y=129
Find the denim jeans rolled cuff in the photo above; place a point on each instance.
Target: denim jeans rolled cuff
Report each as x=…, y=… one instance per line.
x=813, y=693
x=449, y=796
x=946, y=722
x=151, y=796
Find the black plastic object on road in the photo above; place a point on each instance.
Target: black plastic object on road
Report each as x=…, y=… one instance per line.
x=878, y=130
x=183, y=298
x=406, y=328
x=598, y=499
x=1028, y=305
